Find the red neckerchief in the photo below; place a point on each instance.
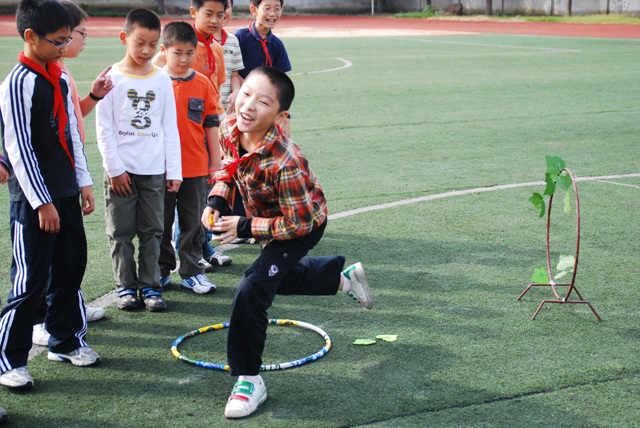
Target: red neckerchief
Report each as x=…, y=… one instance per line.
x=206, y=41
x=231, y=168
x=224, y=38
x=53, y=77
x=264, y=42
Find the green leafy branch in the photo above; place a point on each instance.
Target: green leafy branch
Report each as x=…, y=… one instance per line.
x=555, y=176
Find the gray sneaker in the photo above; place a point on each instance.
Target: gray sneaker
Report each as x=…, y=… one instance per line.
x=18, y=378
x=360, y=291
x=81, y=357
x=40, y=335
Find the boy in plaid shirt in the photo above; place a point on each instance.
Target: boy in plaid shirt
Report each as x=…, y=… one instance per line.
x=286, y=212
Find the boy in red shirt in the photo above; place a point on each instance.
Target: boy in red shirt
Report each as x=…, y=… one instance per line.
x=196, y=107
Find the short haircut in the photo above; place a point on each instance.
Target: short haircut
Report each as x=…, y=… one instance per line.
x=256, y=3
x=42, y=16
x=284, y=86
x=143, y=18
x=76, y=12
x=197, y=4
x=179, y=32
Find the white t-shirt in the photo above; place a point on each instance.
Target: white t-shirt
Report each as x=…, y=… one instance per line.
x=137, y=127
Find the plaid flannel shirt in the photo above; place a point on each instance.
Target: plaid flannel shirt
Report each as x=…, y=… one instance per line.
x=279, y=191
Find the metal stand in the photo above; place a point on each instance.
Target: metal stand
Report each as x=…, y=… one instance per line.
x=552, y=283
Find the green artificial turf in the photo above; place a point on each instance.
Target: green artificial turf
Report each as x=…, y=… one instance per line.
x=412, y=117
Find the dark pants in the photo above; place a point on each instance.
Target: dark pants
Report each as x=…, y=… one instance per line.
x=40, y=260
x=281, y=268
x=190, y=200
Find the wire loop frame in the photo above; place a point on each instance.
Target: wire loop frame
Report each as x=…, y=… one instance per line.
x=559, y=299
x=264, y=367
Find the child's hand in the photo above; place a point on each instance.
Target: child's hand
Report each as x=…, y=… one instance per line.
x=231, y=99
x=173, y=185
x=88, y=200
x=4, y=174
x=49, y=219
x=121, y=184
x=209, y=218
x=102, y=85
x=228, y=227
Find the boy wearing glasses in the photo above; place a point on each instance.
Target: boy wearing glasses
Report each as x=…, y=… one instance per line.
x=49, y=177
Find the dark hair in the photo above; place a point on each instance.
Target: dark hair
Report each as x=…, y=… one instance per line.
x=179, y=32
x=197, y=4
x=76, y=12
x=42, y=16
x=284, y=86
x=256, y=3
x=144, y=18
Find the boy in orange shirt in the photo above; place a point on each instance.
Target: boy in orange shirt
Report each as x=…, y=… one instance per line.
x=196, y=106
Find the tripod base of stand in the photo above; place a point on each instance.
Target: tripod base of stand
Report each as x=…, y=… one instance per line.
x=560, y=301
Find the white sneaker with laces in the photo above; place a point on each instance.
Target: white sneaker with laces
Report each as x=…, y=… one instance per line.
x=218, y=259
x=81, y=357
x=17, y=378
x=40, y=335
x=360, y=290
x=245, y=398
x=199, y=284
x=94, y=314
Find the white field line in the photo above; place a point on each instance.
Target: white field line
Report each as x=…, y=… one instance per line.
x=356, y=211
x=110, y=297
x=619, y=184
x=345, y=64
x=491, y=45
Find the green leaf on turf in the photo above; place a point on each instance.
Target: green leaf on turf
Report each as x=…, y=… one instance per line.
x=387, y=337
x=555, y=165
x=538, y=201
x=364, y=342
x=566, y=262
x=563, y=181
x=551, y=185
x=540, y=276
x=567, y=202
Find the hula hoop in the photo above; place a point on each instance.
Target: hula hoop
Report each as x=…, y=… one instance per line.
x=264, y=367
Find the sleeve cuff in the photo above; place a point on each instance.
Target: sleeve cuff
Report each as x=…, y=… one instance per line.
x=244, y=227
x=219, y=204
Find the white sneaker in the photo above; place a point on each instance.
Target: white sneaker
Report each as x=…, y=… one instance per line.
x=81, y=357
x=218, y=259
x=94, y=314
x=207, y=266
x=40, y=335
x=18, y=378
x=199, y=283
x=360, y=290
x=245, y=398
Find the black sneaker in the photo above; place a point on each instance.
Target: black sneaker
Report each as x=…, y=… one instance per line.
x=127, y=299
x=152, y=299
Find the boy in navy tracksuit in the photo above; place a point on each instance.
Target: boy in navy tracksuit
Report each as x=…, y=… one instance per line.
x=49, y=176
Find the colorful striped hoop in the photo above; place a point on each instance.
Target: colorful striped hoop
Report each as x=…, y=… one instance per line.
x=265, y=367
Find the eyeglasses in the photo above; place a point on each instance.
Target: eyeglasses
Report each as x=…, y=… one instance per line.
x=84, y=35
x=56, y=44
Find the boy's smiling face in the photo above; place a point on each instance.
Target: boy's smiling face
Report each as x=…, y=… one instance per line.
x=209, y=18
x=257, y=105
x=267, y=14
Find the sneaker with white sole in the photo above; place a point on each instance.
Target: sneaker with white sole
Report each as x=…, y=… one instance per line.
x=17, y=378
x=360, y=291
x=127, y=299
x=208, y=268
x=218, y=259
x=199, y=284
x=94, y=314
x=40, y=335
x=245, y=398
x=81, y=357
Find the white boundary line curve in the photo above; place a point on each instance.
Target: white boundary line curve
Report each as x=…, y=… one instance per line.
x=463, y=192
x=345, y=64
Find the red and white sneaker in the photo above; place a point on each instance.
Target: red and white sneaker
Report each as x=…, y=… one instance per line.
x=245, y=397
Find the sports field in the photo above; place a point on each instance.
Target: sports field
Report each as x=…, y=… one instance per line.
x=428, y=148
